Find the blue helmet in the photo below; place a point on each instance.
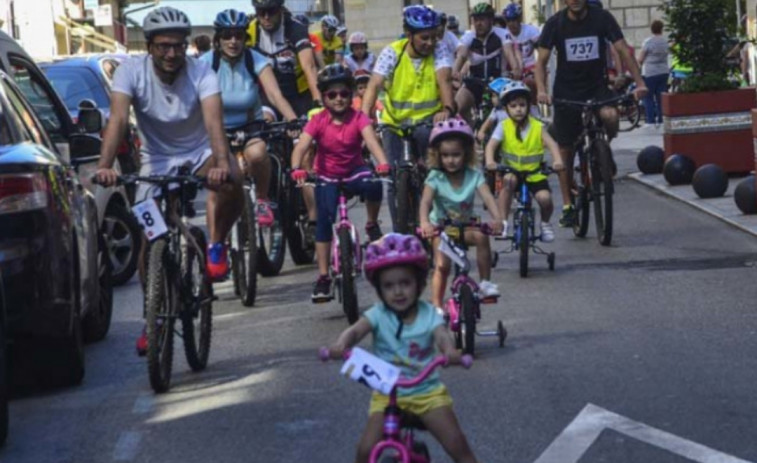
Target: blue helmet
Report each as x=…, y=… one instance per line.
x=231, y=19
x=419, y=17
x=513, y=12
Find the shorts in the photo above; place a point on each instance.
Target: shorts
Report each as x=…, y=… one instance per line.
x=418, y=404
x=535, y=187
x=567, y=124
x=476, y=87
x=327, y=199
x=165, y=165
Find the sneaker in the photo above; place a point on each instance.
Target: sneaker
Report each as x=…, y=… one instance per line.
x=322, y=290
x=217, y=262
x=505, y=228
x=373, y=231
x=142, y=343
x=487, y=289
x=568, y=217
x=547, y=232
x=264, y=213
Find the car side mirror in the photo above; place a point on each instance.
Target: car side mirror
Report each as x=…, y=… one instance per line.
x=84, y=148
x=90, y=118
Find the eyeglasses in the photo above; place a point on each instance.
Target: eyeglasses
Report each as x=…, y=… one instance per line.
x=228, y=34
x=268, y=12
x=344, y=94
x=165, y=47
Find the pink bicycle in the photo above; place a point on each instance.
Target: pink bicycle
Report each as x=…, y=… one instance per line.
x=399, y=444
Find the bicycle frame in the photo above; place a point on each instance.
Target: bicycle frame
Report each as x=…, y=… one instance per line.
x=342, y=223
x=462, y=278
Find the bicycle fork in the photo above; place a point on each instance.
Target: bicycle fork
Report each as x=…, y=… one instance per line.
x=344, y=223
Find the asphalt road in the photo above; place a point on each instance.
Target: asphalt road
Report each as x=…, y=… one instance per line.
x=639, y=352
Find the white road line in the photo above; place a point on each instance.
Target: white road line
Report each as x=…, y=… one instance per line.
x=127, y=446
x=578, y=437
x=145, y=403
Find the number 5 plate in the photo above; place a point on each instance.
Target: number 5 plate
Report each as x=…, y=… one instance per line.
x=149, y=217
x=371, y=371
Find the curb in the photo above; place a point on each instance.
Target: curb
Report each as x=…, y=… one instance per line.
x=637, y=177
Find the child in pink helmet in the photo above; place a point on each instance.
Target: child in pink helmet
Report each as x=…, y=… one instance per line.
x=407, y=332
x=449, y=192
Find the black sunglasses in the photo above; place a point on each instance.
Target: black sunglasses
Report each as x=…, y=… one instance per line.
x=228, y=34
x=268, y=12
x=344, y=94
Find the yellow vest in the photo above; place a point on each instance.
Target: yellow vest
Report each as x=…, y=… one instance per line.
x=410, y=95
x=331, y=48
x=676, y=65
x=526, y=154
x=252, y=33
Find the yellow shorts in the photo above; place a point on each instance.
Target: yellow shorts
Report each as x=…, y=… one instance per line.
x=416, y=404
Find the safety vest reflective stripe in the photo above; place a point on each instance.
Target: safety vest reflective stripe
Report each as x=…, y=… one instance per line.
x=516, y=159
x=415, y=106
x=411, y=94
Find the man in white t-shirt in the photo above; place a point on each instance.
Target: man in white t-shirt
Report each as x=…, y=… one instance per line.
x=447, y=38
x=177, y=101
x=524, y=36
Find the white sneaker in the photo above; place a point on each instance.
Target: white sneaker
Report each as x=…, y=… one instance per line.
x=547, y=232
x=488, y=289
x=505, y=228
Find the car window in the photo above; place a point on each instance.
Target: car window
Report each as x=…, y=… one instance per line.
x=28, y=80
x=6, y=118
x=108, y=67
x=74, y=84
x=29, y=123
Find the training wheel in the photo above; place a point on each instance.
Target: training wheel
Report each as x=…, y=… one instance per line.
x=551, y=260
x=501, y=333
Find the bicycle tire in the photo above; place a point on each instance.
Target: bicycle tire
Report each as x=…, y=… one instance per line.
x=247, y=254
x=347, y=269
x=160, y=321
x=524, y=242
x=302, y=253
x=271, y=241
x=196, y=344
x=603, y=191
x=468, y=309
x=630, y=115
x=581, y=211
x=405, y=203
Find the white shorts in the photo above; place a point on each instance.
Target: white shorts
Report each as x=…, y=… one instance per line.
x=166, y=165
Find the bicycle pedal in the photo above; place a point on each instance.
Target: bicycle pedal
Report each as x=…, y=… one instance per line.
x=322, y=300
x=490, y=300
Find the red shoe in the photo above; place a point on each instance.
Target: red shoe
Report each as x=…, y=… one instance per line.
x=217, y=262
x=264, y=213
x=142, y=343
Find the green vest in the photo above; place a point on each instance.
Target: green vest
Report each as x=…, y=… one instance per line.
x=410, y=95
x=526, y=154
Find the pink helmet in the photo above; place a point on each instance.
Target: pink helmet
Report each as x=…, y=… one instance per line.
x=450, y=127
x=358, y=38
x=392, y=250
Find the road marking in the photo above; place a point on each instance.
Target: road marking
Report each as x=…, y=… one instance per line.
x=579, y=436
x=127, y=446
x=145, y=403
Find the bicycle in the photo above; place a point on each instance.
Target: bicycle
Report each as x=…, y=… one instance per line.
x=524, y=236
x=409, y=175
x=629, y=109
x=399, y=444
x=346, y=248
x=596, y=169
x=176, y=284
x=463, y=308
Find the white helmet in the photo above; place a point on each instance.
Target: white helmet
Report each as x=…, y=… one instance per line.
x=164, y=19
x=514, y=89
x=357, y=38
x=330, y=22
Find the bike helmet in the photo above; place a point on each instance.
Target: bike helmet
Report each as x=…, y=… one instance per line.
x=231, y=19
x=362, y=75
x=267, y=3
x=445, y=129
x=334, y=73
x=453, y=22
x=302, y=19
x=341, y=30
x=442, y=18
x=392, y=250
x=595, y=4
x=330, y=22
x=165, y=19
x=512, y=12
x=357, y=38
x=419, y=17
x=512, y=90
x=482, y=9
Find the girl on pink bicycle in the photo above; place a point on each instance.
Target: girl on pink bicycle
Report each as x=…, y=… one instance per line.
x=449, y=192
x=339, y=133
x=407, y=332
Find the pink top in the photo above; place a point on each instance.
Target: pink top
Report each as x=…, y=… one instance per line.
x=339, y=150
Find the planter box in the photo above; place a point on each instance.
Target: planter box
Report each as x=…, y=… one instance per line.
x=712, y=127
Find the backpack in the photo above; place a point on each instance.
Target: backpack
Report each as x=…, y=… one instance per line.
x=249, y=63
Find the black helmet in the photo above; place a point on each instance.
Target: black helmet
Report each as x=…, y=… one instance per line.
x=332, y=74
x=267, y=3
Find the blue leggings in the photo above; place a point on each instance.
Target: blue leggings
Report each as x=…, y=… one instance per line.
x=327, y=198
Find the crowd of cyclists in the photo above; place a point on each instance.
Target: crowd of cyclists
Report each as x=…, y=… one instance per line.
x=270, y=67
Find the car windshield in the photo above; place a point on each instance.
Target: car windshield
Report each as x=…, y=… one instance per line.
x=75, y=84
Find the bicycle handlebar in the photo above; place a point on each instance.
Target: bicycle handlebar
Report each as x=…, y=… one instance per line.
x=129, y=179
x=590, y=104
x=546, y=170
x=484, y=227
x=242, y=134
x=405, y=129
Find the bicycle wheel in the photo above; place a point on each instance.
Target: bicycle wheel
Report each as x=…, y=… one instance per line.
x=581, y=210
x=524, y=243
x=300, y=249
x=602, y=187
x=197, y=304
x=159, y=302
x=406, y=204
x=347, y=269
x=271, y=242
x=630, y=114
x=468, y=309
x=246, y=254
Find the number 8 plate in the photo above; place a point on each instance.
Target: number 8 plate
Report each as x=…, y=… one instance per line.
x=150, y=218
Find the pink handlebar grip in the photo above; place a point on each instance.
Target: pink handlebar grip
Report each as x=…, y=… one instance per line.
x=323, y=354
x=466, y=361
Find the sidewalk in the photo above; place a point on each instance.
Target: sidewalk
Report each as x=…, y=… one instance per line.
x=627, y=146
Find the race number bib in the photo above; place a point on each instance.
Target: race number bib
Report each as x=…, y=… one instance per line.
x=371, y=371
x=149, y=217
x=582, y=48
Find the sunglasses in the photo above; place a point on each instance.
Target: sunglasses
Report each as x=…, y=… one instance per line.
x=344, y=94
x=268, y=12
x=229, y=34
x=165, y=47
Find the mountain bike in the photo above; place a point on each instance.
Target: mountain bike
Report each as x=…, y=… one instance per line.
x=463, y=308
x=524, y=237
x=176, y=284
x=596, y=170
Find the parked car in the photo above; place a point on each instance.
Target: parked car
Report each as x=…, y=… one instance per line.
x=54, y=268
x=76, y=79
